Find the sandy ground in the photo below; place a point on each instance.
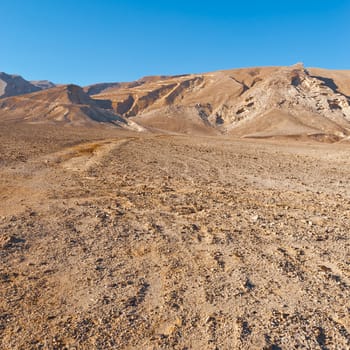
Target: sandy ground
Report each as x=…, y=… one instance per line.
x=117, y=241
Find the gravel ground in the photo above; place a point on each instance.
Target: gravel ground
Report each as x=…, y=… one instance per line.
x=116, y=241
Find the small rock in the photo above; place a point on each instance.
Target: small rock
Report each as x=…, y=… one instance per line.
x=254, y=218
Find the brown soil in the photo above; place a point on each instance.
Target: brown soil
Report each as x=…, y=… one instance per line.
x=112, y=240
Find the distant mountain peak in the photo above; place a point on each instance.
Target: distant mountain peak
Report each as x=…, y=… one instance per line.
x=43, y=84
x=14, y=85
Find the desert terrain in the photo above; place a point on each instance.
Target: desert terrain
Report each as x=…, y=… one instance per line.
x=200, y=211
x=259, y=102
x=117, y=240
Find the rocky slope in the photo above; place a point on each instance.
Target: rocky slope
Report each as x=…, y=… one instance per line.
x=12, y=85
x=43, y=84
x=297, y=96
x=257, y=102
x=67, y=104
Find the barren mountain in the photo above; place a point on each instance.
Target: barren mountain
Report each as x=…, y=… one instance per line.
x=43, y=84
x=255, y=102
x=12, y=85
x=67, y=104
x=251, y=102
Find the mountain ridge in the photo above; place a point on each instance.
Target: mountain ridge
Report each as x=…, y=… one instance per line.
x=244, y=102
x=66, y=104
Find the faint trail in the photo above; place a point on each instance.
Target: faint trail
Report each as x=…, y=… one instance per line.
x=84, y=156
x=34, y=181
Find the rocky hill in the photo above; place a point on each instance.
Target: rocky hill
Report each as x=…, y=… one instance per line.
x=67, y=104
x=254, y=102
x=260, y=102
x=12, y=85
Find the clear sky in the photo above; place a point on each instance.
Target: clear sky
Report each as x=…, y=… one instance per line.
x=88, y=41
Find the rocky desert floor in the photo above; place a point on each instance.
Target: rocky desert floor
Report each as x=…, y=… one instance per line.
x=111, y=240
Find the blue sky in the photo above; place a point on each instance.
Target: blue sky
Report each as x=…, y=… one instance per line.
x=83, y=42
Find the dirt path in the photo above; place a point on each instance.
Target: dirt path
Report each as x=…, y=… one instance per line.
x=29, y=184
x=176, y=243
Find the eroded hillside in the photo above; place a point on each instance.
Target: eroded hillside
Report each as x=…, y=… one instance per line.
x=251, y=102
